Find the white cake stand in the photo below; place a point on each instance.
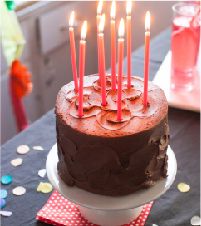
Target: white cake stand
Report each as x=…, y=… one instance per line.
x=107, y=210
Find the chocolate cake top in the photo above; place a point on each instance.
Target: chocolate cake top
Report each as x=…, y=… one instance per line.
x=101, y=120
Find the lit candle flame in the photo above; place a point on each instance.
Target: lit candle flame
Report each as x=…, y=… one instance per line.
x=128, y=7
x=121, y=29
x=101, y=24
x=84, y=30
x=72, y=19
x=147, y=21
x=113, y=10
x=99, y=8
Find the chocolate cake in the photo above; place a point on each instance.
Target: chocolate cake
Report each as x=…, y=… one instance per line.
x=101, y=155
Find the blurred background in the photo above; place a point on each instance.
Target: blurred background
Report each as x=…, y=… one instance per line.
x=47, y=53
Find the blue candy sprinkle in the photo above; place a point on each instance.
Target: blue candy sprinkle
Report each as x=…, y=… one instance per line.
x=6, y=179
x=2, y=203
x=3, y=193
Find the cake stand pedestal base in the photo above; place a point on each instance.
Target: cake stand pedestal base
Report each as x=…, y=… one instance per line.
x=108, y=210
x=110, y=218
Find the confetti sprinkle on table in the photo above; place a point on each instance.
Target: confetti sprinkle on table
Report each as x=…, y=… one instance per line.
x=16, y=162
x=38, y=148
x=196, y=220
x=19, y=190
x=42, y=173
x=2, y=203
x=3, y=193
x=44, y=187
x=23, y=149
x=5, y=213
x=183, y=187
x=6, y=179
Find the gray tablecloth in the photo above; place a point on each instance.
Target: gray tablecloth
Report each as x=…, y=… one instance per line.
x=171, y=209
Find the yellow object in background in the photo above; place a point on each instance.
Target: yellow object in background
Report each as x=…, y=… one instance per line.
x=11, y=34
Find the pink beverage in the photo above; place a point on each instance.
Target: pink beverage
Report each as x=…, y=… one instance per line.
x=185, y=45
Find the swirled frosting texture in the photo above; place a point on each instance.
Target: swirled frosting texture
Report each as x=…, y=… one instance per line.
x=101, y=155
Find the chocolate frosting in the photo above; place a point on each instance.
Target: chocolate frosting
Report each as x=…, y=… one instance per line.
x=102, y=155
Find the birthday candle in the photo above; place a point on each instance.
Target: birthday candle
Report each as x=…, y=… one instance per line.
x=113, y=44
x=101, y=58
x=98, y=17
x=120, y=68
x=146, y=61
x=73, y=50
x=82, y=66
x=128, y=33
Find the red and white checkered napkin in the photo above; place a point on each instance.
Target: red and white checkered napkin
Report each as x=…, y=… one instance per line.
x=59, y=211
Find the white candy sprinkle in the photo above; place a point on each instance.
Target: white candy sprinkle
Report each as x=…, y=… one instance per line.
x=19, y=190
x=23, y=149
x=5, y=213
x=195, y=221
x=38, y=148
x=42, y=173
x=16, y=162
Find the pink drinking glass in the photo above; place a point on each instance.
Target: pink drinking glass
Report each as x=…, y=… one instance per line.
x=185, y=40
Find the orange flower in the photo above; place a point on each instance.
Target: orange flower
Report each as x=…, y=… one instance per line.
x=20, y=79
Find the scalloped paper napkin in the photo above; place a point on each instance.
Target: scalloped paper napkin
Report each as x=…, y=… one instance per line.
x=59, y=211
